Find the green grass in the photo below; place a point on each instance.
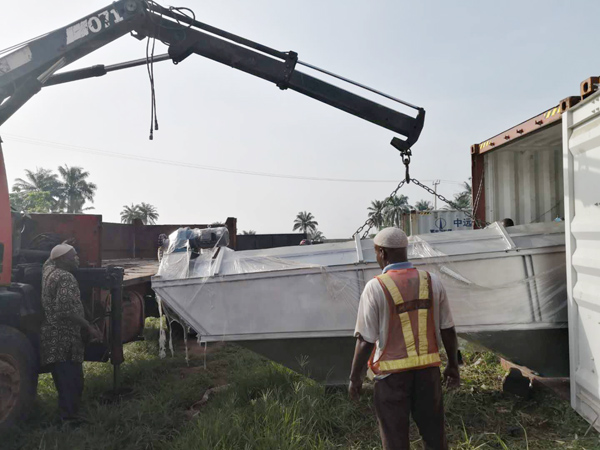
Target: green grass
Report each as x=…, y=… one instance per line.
x=270, y=407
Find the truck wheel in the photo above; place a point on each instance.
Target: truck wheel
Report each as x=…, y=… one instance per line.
x=18, y=376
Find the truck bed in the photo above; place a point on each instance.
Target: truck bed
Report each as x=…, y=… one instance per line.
x=137, y=271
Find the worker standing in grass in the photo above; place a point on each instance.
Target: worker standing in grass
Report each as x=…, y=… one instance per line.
x=61, y=343
x=399, y=315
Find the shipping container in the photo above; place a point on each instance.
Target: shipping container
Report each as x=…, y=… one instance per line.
x=437, y=221
x=548, y=168
x=518, y=174
x=581, y=152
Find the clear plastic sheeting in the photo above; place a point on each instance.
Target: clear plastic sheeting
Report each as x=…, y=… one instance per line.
x=185, y=245
x=197, y=238
x=174, y=266
x=500, y=292
x=496, y=279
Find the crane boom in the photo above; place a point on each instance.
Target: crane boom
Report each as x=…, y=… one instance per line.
x=24, y=71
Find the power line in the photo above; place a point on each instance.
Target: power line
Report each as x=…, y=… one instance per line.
x=92, y=151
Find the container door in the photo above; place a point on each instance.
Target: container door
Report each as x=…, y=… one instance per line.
x=581, y=158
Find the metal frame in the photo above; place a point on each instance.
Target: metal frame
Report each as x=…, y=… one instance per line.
x=359, y=252
x=532, y=125
x=109, y=278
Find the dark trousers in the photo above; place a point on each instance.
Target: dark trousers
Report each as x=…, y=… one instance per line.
x=68, y=379
x=415, y=391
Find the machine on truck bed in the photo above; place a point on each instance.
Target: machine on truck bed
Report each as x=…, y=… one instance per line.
x=26, y=68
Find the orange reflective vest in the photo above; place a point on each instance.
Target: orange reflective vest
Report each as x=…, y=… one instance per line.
x=411, y=341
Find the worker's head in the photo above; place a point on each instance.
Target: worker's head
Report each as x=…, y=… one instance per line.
x=65, y=257
x=507, y=223
x=391, y=246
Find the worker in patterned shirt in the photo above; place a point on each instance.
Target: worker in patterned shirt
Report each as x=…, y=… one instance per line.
x=403, y=317
x=61, y=345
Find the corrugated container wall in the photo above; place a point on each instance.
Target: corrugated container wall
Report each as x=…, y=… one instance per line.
x=581, y=127
x=524, y=180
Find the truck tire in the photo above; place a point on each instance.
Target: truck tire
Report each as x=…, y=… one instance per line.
x=18, y=376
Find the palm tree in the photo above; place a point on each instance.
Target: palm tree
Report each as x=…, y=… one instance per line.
x=42, y=180
x=147, y=213
x=467, y=186
x=249, y=232
x=461, y=200
x=468, y=193
x=74, y=190
x=316, y=236
x=394, y=208
x=129, y=213
x=376, y=213
x=464, y=199
x=423, y=205
x=305, y=222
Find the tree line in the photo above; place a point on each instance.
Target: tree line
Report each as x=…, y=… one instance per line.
x=388, y=212
x=385, y=213
x=146, y=212
x=44, y=191
x=67, y=191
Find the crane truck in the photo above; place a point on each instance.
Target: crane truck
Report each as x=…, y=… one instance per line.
x=27, y=68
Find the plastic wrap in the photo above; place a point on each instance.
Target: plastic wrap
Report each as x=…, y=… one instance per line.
x=197, y=238
x=186, y=245
x=495, y=279
x=499, y=292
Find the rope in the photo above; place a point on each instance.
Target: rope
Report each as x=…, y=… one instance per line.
x=150, y=68
x=550, y=210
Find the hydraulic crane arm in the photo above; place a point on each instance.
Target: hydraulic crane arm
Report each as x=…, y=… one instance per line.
x=24, y=71
x=27, y=69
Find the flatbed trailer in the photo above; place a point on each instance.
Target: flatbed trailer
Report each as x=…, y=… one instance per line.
x=127, y=250
x=117, y=262
x=137, y=272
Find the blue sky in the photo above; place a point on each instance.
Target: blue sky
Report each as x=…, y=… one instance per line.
x=477, y=67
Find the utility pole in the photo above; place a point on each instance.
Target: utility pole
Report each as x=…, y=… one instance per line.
x=435, y=185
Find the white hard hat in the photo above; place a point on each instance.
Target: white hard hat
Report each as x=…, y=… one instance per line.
x=60, y=250
x=391, y=237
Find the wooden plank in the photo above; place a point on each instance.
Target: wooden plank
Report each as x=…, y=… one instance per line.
x=137, y=271
x=560, y=386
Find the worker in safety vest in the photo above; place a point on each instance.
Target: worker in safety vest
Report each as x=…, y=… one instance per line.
x=399, y=315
